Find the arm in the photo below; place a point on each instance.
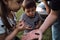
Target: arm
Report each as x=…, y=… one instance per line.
x=19, y=27
x=47, y=6
x=12, y=35
x=49, y=21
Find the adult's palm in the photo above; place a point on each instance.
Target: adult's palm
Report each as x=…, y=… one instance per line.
x=35, y=34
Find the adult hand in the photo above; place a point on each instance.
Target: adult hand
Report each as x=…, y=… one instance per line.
x=35, y=34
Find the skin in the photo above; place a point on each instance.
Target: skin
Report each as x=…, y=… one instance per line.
x=19, y=28
x=29, y=36
x=49, y=20
x=14, y=5
x=47, y=23
x=30, y=12
x=53, y=15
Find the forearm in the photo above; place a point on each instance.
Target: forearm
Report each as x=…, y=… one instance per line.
x=12, y=35
x=48, y=22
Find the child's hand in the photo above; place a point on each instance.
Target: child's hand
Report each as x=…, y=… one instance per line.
x=28, y=28
x=21, y=26
x=25, y=25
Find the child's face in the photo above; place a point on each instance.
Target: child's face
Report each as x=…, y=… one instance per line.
x=30, y=12
x=14, y=5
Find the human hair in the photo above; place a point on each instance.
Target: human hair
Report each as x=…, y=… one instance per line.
x=4, y=14
x=28, y=4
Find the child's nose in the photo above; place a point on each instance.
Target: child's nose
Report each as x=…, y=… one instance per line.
x=31, y=12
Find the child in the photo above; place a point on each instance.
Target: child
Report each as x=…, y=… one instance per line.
x=8, y=23
x=30, y=17
x=53, y=17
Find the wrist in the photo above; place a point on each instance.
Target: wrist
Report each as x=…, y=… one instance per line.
x=41, y=31
x=17, y=30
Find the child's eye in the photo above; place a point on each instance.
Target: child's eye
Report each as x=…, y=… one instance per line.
x=28, y=11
